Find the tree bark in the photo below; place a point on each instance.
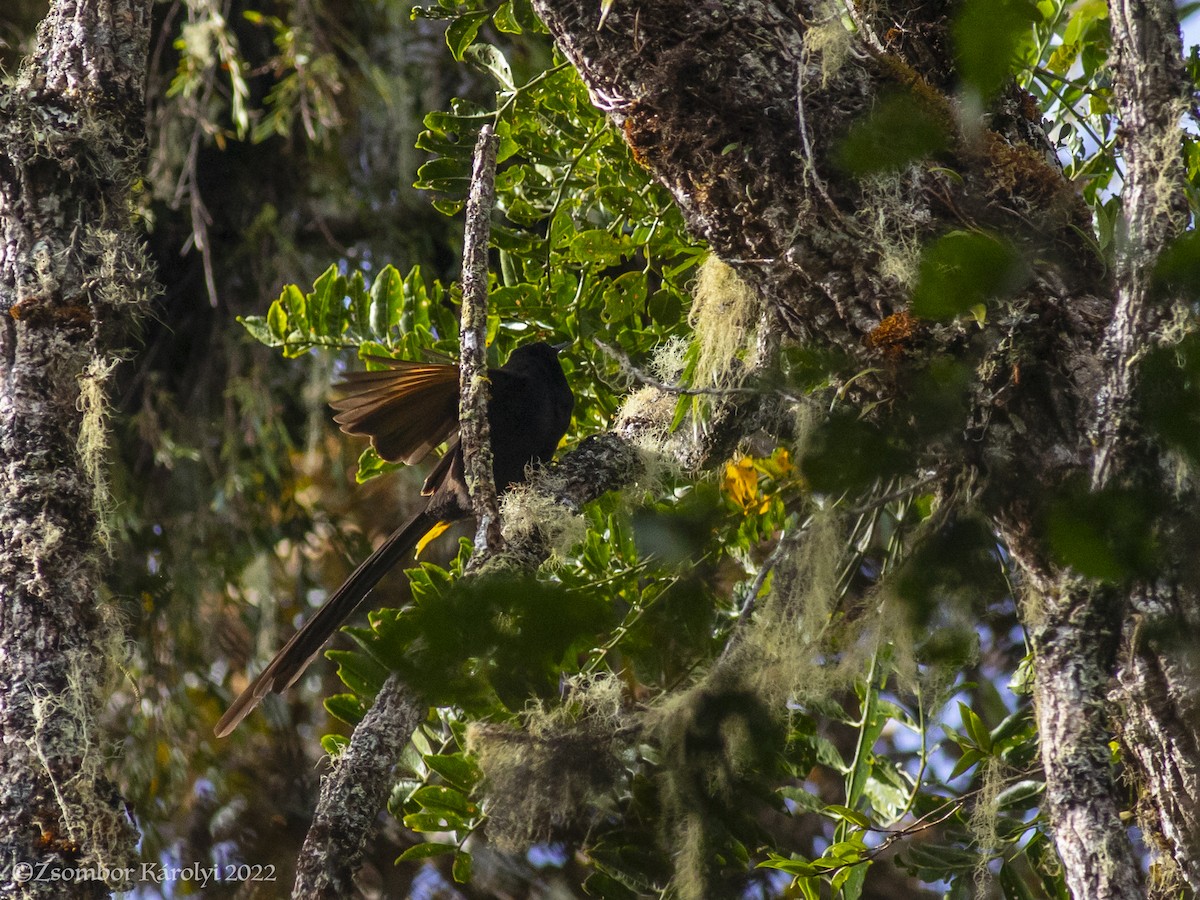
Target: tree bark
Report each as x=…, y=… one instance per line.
x=1159, y=715
x=72, y=274
x=354, y=793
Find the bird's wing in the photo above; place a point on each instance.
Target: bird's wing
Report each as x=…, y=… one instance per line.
x=406, y=409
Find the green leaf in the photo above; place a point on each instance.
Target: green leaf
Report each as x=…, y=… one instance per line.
x=968, y=759
x=346, y=708
x=938, y=861
x=506, y=20
x=887, y=790
x=426, y=850
x=963, y=269
x=387, y=301
x=979, y=734
x=489, y=58
x=1020, y=795
x=258, y=328
x=1108, y=535
x=1170, y=394
x=462, y=31
x=986, y=36
x=798, y=867
x=900, y=130
x=1177, y=270
x=844, y=453
x=455, y=769
x=461, y=869
x=277, y=317
x=1012, y=886
x=624, y=296
x=526, y=17
x=360, y=304
x=853, y=816
x=599, y=247
x=438, y=798
x=334, y=744
x=441, y=820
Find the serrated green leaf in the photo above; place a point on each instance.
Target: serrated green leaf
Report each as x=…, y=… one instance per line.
x=387, y=301
x=259, y=329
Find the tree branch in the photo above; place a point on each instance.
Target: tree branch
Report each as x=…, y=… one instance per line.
x=353, y=794
x=474, y=431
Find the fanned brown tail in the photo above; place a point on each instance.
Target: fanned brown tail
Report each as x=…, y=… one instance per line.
x=290, y=662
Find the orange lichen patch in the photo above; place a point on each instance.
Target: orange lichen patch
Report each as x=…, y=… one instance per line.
x=1030, y=108
x=34, y=311
x=894, y=334
x=642, y=135
x=1021, y=171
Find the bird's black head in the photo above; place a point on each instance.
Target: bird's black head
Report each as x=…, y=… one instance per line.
x=539, y=363
x=535, y=356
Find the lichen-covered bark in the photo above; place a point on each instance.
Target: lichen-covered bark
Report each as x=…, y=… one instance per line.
x=1159, y=680
x=70, y=275
x=1075, y=630
x=354, y=792
x=1159, y=726
x=1152, y=99
x=739, y=107
x=474, y=391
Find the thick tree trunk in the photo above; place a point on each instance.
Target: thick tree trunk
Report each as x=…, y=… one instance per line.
x=738, y=108
x=1159, y=714
x=71, y=275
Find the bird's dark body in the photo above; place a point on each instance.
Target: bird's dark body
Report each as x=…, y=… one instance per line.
x=528, y=414
x=406, y=410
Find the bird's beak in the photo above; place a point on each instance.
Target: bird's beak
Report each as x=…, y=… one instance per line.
x=559, y=348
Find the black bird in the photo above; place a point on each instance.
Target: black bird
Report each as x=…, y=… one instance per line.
x=408, y=409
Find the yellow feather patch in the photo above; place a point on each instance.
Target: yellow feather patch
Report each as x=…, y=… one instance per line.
x=430, y=535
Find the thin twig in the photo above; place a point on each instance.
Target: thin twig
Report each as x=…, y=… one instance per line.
x=474, y=389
